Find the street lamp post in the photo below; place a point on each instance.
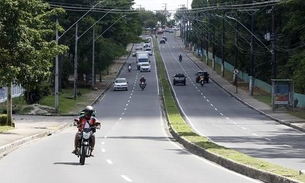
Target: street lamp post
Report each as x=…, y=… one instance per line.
x=75, y=56
x=56, y=58
x=93, y=48
x=252, y=36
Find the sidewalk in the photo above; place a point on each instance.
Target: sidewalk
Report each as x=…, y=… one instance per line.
x=280, y=116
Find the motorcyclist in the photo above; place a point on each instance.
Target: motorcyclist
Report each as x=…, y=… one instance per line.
x=129, y=66
x=86, y=115
x=180, y=57
x=201, y=78
x=142, y=79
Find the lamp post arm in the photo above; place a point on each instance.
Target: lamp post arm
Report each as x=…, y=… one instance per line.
x=232, y=18
x=95, y=23
x=80, y=19
x=109, y=27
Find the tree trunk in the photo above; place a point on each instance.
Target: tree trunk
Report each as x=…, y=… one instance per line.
x=9, y=106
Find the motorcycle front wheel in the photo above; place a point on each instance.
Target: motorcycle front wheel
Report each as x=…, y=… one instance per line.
x=83, y=154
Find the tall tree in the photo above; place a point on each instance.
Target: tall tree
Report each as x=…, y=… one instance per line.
x=26, y=49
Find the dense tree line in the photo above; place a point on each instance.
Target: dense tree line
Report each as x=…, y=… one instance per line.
x=285, y=17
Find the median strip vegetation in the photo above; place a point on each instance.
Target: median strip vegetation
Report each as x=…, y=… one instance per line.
x=178, y=124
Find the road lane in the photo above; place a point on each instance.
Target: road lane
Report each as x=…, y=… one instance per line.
x=133, y=146
x=217, y=115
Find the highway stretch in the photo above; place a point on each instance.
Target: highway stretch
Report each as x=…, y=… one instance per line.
x=217, y=115
x=134, y=145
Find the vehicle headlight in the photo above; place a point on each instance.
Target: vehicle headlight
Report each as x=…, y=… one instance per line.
x=86, y=135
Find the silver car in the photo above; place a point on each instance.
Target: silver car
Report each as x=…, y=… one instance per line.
x=120, y=84
x=145, y=67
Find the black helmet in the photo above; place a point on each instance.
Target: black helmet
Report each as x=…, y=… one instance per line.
x=88, y=111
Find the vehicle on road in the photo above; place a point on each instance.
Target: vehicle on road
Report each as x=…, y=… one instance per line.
x=162, y=41
x=142, y=85
x=142, y=58
x=202, y=73
x=138, y=47
x=120, y=84
x=85, y=137
x=145, y=67
x=179, y=78
x=148, y=50
x=129, y=68
x=165, y=38
x=180, y=58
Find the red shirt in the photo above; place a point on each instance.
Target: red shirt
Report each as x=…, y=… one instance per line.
x=82, y=120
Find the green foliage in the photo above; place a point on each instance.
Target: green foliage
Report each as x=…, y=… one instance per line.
x=34, y=95
x=26, y=49
x=3, y=118
x=289, y=19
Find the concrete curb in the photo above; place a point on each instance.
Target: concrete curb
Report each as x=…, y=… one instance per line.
x=230, y=164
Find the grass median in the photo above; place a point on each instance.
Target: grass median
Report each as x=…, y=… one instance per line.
x=177, y=122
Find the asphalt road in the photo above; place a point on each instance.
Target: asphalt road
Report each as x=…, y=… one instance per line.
x=132, y=146
x=215, y=114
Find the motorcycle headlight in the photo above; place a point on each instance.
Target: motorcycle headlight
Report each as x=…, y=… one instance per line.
x=86, y=135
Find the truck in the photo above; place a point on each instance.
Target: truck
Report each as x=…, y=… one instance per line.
x=142, y=58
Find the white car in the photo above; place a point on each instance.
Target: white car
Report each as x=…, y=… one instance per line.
x=148, y=50
x=145, y=67
x=120, y=84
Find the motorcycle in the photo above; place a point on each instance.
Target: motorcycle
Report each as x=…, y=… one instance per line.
x=142, y=85
x=202, y=82
x=129, y=68
x=85, y=138
x=180, y=58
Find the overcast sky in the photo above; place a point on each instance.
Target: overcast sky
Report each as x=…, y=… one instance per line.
x=171, y=5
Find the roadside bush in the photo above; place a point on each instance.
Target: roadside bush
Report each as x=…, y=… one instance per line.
x=3, y=118
x=32, y=96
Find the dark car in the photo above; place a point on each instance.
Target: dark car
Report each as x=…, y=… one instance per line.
x=162, y=41
x=205, y=74
x=165, y=38
x=179, y=78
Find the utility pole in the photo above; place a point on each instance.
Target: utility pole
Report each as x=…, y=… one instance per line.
x=213, y=41
x=223, y=47
x=273, y=39
x=251, y=82
x=56, y=59
x=93, y=57
x=75, y=62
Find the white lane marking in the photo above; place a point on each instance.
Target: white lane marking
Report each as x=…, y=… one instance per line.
x=216, y=109
x=254, y=134
x=268, y=139
x=221, y=114
x=125, y=109
x=211, y=105
x=208, y=100
x=244, y=128
x=287, y=145
x=127, y=105
x=103, y=150
x=234, y=123
x=121, y=118
x=103, y=143
x=126, y=178
x=109, y=161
